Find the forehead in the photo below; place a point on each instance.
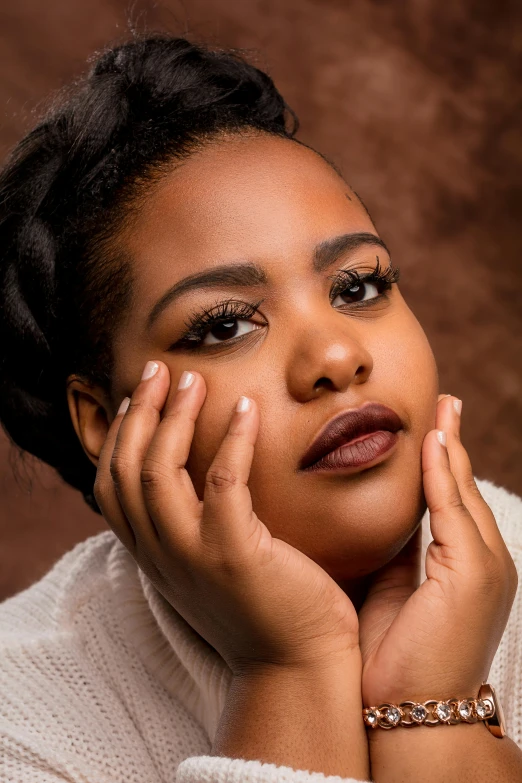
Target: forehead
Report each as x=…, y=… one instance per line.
x=257, y=197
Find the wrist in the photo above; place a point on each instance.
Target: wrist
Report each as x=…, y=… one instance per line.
x=443, y=746
x=432, y=712
x=305, y=717
x=441, y=752
x=325, y=665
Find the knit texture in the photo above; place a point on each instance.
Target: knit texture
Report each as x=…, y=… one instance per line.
x=102, y=681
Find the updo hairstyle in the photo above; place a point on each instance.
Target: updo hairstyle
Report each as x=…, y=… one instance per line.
x=69, y=187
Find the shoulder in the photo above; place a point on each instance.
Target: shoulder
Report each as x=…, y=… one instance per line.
x=77, y=702
x=506, y=667
x=45, y=607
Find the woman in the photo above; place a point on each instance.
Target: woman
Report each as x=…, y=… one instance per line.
x=203, y=333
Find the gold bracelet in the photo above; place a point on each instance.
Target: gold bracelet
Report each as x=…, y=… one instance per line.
x=428, y=713
x=485, y=707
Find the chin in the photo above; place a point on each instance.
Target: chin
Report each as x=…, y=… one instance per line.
x=346, y=566
x=362, y=529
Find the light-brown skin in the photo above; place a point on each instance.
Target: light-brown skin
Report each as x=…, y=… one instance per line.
x=297, y=578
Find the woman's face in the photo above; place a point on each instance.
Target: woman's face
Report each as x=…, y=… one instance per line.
x=303, y=356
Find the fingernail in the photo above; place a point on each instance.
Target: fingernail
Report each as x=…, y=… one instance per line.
x=151, y=368
x=441, y=437
x=123, y=405
x=457, y=404
x=243, y=404
x=186, y=379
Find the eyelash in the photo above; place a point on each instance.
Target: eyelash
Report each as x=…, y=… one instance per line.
x=200, y=323
x=346, y=279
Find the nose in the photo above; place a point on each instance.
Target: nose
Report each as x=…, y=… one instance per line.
x=326, y=357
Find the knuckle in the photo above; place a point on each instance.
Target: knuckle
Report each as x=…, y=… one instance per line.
x=220, y=478
x=119, y=466
x=495, y=574
x=454, y=501
x=154, y=473
x=100, y=489
x=137, y=406
x=471, y=486
x=176, y=416
x=451, y=503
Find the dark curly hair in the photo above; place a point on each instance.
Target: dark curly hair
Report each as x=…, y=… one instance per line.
x=66, y=190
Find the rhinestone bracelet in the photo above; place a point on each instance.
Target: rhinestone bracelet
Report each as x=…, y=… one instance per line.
x=428, y=713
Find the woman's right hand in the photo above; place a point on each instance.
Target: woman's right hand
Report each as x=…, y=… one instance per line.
x=256, y=599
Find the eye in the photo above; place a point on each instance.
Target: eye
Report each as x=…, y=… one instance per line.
x=359, y=292
x=226, y=330
x=219, y=325
x=362, y=290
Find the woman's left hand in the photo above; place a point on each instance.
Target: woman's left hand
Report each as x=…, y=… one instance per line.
x=438, y=640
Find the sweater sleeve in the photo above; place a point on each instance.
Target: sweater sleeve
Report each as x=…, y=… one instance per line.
x=219, y=769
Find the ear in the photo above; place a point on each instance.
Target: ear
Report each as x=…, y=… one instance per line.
x=89, y=408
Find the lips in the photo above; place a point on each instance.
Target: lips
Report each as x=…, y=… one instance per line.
x=349, y=425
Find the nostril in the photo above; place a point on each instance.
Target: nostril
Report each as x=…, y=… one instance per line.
x=323, y=382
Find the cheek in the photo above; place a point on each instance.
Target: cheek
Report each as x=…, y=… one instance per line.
x=212, y=423
x=273, y=453
x=415, y=373
x=210, y=429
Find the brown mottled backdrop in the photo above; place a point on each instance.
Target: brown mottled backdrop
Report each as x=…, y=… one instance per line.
x=419, y=102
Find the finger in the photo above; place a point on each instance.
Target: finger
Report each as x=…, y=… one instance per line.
x=227, y=505
x=141, y=470
x=168, y=490
x=449, y=419
x=105, y=491
x=452, y=525
x=135, y=431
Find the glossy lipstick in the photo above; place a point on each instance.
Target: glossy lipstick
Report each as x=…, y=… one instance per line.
x=353, y=438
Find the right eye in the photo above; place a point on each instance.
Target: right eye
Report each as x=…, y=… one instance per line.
x=220, y=324
x=227, y=330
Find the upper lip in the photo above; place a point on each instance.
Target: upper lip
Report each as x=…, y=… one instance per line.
x=346, y=426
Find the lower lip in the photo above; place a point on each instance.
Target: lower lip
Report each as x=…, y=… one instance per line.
x=360, y=451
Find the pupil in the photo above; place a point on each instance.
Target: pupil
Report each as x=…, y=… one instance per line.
x=356, y=293
x=223, y=330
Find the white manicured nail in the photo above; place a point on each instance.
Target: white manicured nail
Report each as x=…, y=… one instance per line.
x=457, y=404
x=185, y=380
x=124, y=405
x=243, y=404
x=151, y=368
x=441, y=437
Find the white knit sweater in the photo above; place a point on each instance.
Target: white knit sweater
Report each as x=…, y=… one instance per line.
x=101, y=681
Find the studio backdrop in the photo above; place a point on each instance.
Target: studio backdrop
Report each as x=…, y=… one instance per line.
x=418, y=103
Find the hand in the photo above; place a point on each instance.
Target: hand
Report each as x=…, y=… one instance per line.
x=254, y=598
x=438, y=640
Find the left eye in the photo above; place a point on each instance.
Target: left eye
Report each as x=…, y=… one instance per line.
x=225, y=330
x=357, y=293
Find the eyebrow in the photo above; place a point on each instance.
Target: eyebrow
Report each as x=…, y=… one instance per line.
x=248, y=274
